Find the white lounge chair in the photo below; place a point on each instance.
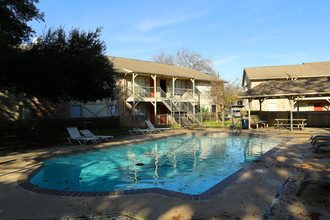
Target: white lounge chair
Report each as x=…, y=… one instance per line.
x=139, y=131
x=152, y=127
x=75, y=135
x=89, y=134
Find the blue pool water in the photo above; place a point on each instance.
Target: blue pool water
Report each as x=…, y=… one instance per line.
x=186, y=164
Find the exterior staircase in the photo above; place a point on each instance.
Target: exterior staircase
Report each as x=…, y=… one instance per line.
x=175, y=105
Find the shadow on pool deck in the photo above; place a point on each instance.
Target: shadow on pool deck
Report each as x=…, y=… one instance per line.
x=248, y=198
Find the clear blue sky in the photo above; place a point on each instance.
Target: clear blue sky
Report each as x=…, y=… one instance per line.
x=233, y=33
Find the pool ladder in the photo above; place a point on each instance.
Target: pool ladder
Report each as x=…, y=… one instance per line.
x=233, y=128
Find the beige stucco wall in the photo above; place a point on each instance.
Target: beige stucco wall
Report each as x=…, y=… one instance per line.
x=100, y=108
x=284, y=105
x=271, y=105
x=205, y=98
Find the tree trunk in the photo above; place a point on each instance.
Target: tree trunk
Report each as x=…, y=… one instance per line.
x=217, y=113
x=222, y=109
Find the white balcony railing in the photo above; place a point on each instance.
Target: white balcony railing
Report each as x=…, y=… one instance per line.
x=182, y=93
x=142, y=91
x=147, y=91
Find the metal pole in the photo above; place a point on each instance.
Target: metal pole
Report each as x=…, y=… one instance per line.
x=249, y=114
x=179, y=117
x=211, y=120
x=155, y=94
x=125, y=91
x=133, y=88
x=291, y=115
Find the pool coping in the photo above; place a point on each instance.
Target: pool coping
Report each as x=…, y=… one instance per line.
x=24, y=179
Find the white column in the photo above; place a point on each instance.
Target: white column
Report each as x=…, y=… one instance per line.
x=173, y=84
x=134, y=75
x=154, y=77
x=125, y=91
x=249, y=113
x=193, y=82
x=291, y=114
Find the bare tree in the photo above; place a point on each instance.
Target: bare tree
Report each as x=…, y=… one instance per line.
x=223, y=94
x=185, y=57
x=163, y=58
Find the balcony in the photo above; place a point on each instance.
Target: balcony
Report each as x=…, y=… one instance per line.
x=181, y=93
x=146, y=93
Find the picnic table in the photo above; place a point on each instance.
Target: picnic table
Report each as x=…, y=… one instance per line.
x=300, y=123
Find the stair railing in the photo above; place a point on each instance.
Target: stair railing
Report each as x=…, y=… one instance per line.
x=233, y=128
x=179, y=105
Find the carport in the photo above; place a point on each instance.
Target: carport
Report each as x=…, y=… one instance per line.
x=293, y=90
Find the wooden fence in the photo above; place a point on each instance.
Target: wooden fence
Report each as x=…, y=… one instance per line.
x=23, y=133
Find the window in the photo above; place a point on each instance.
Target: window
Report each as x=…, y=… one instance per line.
x=141, y=110
x=140, y=81
x=272, y=107
x=140, y=84
x=113, y=110
x=178, y=87
x=76, y=111
x=214, y=108
x=24, y=112
x=318, y=107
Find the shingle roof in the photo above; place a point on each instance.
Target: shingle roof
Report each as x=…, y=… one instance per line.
x=305, y=70
x=303, y=87
x=125, y=65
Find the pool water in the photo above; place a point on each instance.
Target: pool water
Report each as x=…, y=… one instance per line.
x=188, y=164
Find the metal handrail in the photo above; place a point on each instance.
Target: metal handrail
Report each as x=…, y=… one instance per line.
x=174, y=103
x=143, y=91
x=182, y=93
x=233, y=128
x=186, y=108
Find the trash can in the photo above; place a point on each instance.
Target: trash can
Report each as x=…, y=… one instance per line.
x=245, y=123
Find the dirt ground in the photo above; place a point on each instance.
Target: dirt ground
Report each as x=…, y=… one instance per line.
x=314, y=202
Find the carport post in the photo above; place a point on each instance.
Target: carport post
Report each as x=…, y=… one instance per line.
x=291, y=114
x=260, y=103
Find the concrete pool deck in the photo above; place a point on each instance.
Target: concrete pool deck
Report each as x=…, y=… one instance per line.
x=266, y=191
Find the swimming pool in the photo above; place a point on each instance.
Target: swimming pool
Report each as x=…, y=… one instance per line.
x=186, y=164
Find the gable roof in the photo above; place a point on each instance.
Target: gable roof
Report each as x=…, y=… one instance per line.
x=304, y=87
x=305, y=70
x=125, y=65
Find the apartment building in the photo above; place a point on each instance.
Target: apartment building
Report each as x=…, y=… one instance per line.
x=255, y=76
x=149, y=90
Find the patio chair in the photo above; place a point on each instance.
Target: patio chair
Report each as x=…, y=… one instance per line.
x=140, y=131
x=320, y=178
x=89, y=134
x=319, y=138
x=152, y=127
x=318, y=145
x=187, y=123
x=75, y=135
x=255, y=120
x=319, y=135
